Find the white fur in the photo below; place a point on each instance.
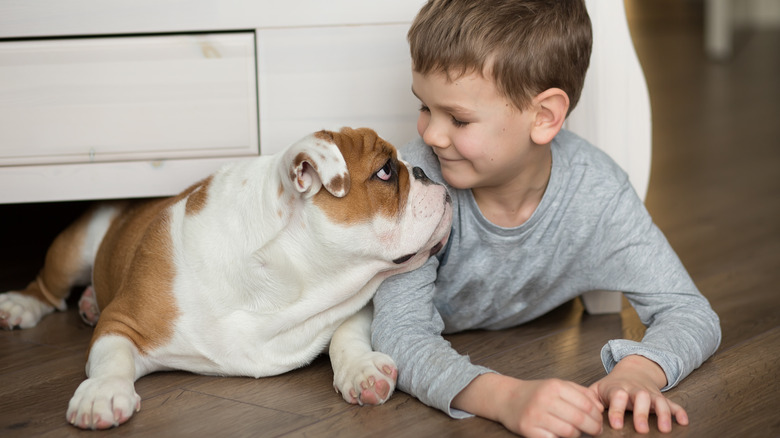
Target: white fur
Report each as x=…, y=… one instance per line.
x=107, y=398
x=22, y=311
x=355, y=365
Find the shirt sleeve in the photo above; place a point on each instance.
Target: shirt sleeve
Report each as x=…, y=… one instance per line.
x=408, y=327
x=682, y=329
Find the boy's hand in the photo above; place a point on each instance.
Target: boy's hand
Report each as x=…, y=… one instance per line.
x=634, y=384
x=533, y=408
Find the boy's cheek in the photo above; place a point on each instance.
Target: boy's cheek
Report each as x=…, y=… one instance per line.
x=422, y=122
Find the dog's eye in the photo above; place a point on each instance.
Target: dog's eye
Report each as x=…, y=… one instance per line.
x=386, y=172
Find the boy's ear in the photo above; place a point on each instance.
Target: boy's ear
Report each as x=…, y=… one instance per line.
x=551, y=105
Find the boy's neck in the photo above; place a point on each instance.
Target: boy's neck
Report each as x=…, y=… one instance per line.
x=512, y=204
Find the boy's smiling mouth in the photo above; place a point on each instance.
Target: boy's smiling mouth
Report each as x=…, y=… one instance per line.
x=446, y=159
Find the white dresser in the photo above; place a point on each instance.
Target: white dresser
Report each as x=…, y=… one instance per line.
x=135, y=98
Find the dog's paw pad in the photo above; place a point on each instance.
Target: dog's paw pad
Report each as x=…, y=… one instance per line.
x=375, y=392
x=88, y=307
x=102, y=403
x=368, y=380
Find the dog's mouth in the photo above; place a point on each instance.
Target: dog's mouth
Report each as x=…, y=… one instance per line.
x=403, y=259
x=436, y=248
x=445, y=222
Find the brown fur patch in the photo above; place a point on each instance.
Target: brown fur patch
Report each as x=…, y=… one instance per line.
x=134, y=272
x=197, y=195
x=338, y=183
x=64, y=263
x=325, y=135
x=365, y=154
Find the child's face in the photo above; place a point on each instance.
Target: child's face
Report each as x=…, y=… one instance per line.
x=481, y=139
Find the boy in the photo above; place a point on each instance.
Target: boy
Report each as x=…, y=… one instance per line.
x=540, y=217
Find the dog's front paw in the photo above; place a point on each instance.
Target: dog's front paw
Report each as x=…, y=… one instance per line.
x=23, y=311
x=367, y=379
x=102, y=403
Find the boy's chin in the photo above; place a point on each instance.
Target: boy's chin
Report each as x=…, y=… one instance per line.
x=457, y=182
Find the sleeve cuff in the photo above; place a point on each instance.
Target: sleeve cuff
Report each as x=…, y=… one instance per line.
x=614, y=351
x=457, y=386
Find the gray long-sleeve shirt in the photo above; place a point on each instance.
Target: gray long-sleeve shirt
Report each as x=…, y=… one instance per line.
x=590, y=232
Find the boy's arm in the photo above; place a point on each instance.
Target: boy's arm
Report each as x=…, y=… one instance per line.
x=533, y=407
x=408, y=327
x=634, y=257
x=682, y=329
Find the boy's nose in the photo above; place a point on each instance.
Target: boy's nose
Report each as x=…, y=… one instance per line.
x=435, y=137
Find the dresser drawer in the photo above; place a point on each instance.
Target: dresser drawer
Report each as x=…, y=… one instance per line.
x=110, y=99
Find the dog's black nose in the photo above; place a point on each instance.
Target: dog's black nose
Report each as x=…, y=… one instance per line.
x=420, y=175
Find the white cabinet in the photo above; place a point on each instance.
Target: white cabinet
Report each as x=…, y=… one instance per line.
x=122, y=99
x=142, y=98
x=328, y=77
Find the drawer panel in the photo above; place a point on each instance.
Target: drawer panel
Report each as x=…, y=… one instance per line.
x=329, y=77
x=128, y=98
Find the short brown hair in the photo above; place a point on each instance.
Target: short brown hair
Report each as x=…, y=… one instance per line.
x=527, y=46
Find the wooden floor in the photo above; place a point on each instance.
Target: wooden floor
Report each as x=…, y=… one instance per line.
x=714, y=191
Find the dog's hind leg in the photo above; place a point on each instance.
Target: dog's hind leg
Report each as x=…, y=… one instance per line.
x=361, y=375
x=68, y=263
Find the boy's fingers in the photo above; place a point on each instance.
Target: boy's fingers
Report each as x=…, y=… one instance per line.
x=618, y=400
x=565, y=428
x=663, y=411
x=593, y=395
x=567, y=420
x=586, y=401
x=679, y=413
x=641, y=411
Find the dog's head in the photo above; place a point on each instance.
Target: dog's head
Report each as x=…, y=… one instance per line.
x=367, y=202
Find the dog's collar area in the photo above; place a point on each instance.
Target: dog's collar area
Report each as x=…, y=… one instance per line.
x=400, y=260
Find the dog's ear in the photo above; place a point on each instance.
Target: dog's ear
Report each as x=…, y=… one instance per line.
x=315, y=162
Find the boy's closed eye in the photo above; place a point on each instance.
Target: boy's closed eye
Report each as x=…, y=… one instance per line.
x=457, y=123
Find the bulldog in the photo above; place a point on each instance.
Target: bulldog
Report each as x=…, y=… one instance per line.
x=253, y=271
